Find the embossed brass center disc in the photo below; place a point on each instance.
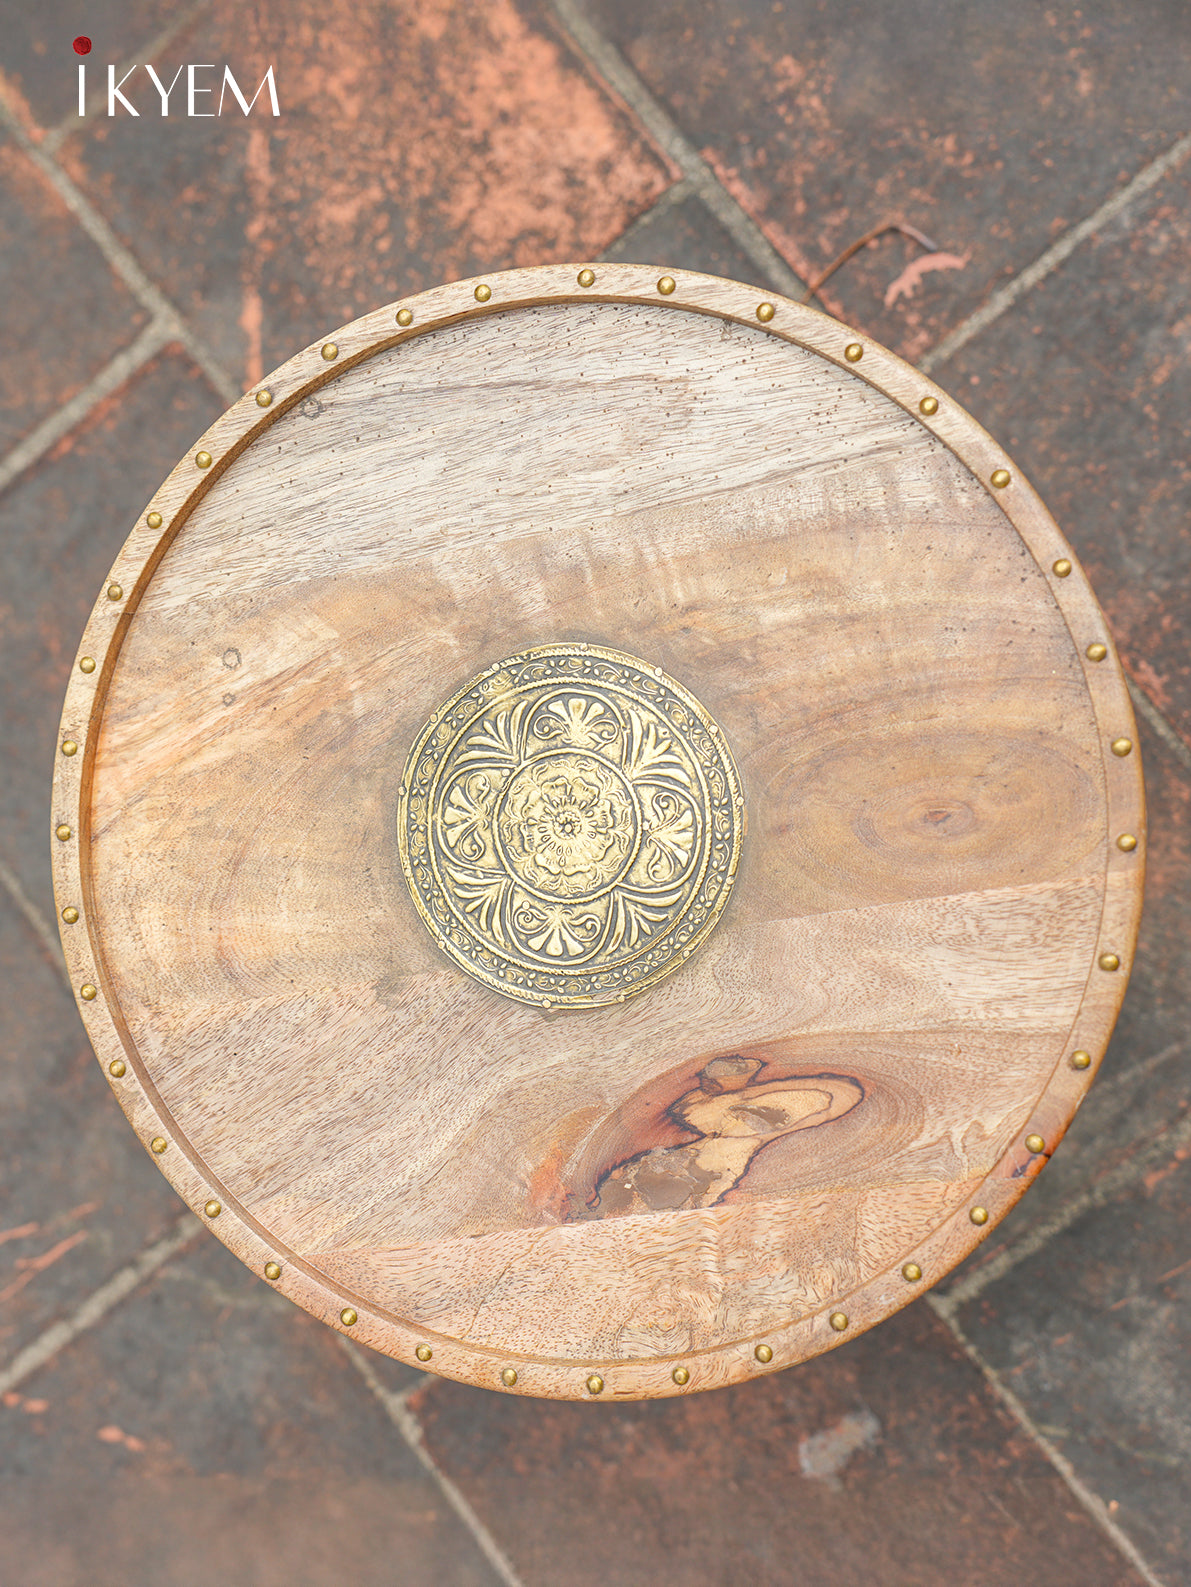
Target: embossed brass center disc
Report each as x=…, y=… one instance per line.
x=570, y=825
x=401, y=858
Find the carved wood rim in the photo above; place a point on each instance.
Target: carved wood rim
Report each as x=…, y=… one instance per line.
x=955, y=1236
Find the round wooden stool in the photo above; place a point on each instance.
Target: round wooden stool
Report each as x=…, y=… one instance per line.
x=598, y=832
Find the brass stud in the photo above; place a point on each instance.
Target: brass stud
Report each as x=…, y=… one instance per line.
x=272, y=1270
x=483, y=293
x=1000, y=477
x=158, y=1144
x=666, y=285
x=115, y=592
x=87, y=664
x=509, y=1377
x=911, y=1272
x=423, y=1352
x=1121, y=746
x=70, y=747
x=263, y=399
x=63, y=834
x=118, y=1068
x=1097, y=652
x=87, y=992
x=839, y=1321
x=405, y=316
x=1126, y=843
x=595, y=1384
x=586, y=278
x=681, y=1376
x=70, y=914
x=1081, y=1059
x=854, y=352
x=154, y=520
x=348, y=1317
x=1035, y=1144
x=1061, y=568
x=979, y=1215
x=929, y=406
x=1109, y=961
x=763, y=1354
x=765, y=312
x=203, y=459
x=213, y=1209
x=330, y=352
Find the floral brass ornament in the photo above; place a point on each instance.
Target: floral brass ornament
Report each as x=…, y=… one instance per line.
x=570, y=825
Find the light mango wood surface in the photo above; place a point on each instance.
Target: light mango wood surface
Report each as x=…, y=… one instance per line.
x=889, y=1004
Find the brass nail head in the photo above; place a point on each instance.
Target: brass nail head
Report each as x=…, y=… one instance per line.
x=1000, y=478
x=213, y=1209
x=1097, y=652
x=929, y=405
x=423, y=1352
x=763, y=1354
x=509, y=1377
x=87, y=992
x=586, y=278
x=1109, y=961
x=911, y=1272
x=1126, y=843
x=348, y=1317
x=854, y=352
x=1035, y=1144
x=483, y=293
x=839, y=1321
x=1061, y=568
x=158, y=1144
x=681, y=1376
x=405, y=316
x=154, y=520
x=272, y=1270
x=87, y=664
x=115, y=592
x=118, y=1068
x=979, y=1215
x=203, y=459
x=666, y=285
x=1081, y=1059
x=70, y=747
x=263, y=399
x=63, y=834
x=595, y=1384
x=765, y=312
x=1122, y=746
x=70, y=914
x=330, y=352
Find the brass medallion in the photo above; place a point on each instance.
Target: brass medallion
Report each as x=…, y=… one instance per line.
x=569, y=825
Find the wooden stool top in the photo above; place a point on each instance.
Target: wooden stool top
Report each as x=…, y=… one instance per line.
x=606, y=840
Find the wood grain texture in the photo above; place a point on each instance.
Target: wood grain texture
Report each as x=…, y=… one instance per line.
x=910, y=953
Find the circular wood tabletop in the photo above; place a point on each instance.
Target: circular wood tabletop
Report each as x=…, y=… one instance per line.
x=598, y=832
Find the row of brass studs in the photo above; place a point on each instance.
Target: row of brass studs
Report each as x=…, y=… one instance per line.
x=349, y=1317
x=666, y=285
x=763, y=1353
x=839, y=1320
x=979, y=1215
x=264, y=397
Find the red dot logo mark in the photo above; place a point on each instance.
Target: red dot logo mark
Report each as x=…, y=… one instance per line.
x=82, y=45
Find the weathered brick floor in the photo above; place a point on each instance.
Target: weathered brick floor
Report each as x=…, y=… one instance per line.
x=164, y=1418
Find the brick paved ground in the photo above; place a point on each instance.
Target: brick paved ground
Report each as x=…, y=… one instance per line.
x=166, y=1419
